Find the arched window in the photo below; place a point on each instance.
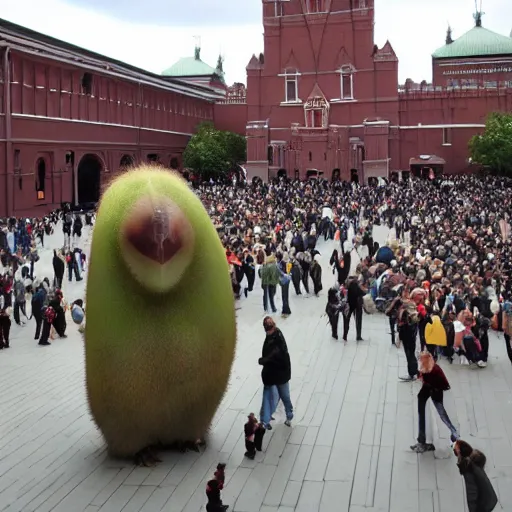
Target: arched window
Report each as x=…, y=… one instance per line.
x=126, y=162
x=40, y=178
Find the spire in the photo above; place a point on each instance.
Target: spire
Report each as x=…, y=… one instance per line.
x=220, y=64
x=449, y=39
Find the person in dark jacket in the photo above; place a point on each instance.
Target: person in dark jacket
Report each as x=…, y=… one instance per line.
x=213, y=488
x=480, y=494
x=58, y=269
x=277, y=371
x=37, y=309
x=332, y=310
x=355, y=296
x=249, y=271
x=5, y=306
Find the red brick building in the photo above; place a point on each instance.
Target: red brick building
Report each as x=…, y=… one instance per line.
x=323, y=99
x=70, y=119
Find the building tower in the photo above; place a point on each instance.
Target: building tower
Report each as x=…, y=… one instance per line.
x=320, y=98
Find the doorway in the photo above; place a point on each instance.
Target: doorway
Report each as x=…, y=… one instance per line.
x=354, y=176
x=89, y=179
x=336, y=175
x=281, y=173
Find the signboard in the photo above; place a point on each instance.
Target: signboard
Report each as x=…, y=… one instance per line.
x=478, y=71
x=316, y=103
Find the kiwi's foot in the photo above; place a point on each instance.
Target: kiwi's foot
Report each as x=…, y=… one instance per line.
x=147, y=458
x=186, y=446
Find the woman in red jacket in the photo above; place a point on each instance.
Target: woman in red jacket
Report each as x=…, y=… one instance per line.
x=435, y=384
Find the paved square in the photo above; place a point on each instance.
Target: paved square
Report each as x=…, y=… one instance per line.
x=348, y=449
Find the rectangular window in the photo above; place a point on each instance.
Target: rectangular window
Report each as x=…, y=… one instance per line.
x=291, y=89
x=447, y=136
x=347, y=86
x=278, y=5
x=17, y=160
x=317, y=119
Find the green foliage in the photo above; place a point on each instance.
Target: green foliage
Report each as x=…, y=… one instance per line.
x=494, y=147
x=212, y=153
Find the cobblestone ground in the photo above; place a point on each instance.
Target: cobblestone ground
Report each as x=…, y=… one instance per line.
x=348, y=449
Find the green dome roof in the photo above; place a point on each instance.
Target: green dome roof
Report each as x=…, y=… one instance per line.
x=189, y=66
x=477, y=42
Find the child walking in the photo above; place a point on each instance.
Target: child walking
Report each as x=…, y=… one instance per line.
x=213, y=488
x=435, y=384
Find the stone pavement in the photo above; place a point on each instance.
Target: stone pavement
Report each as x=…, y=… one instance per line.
x=348, y=449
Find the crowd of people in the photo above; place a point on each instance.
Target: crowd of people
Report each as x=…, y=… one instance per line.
x=442, y=277
x=22, y=282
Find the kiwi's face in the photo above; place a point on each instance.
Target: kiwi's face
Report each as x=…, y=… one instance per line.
x=157, y=242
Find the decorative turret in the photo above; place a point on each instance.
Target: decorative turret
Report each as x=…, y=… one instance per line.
x=449, y=39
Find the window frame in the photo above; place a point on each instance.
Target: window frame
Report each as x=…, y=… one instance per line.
x=278, y=9
x=447, y=136
x=346, y=72
x=291, y=77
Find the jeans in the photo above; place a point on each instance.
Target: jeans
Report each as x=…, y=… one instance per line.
x=269, y=292
x=437, y=399
x=269, y=404
x=285, y=293
x=274, y=403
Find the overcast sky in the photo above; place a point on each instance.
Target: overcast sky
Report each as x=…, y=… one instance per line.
x=153, y=34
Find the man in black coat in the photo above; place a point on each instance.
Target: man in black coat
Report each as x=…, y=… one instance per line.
x=277, y=371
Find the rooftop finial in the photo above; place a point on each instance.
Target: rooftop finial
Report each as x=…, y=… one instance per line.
x=197, y=50
x=478, y=14
x=220, y=64
x=449, y=39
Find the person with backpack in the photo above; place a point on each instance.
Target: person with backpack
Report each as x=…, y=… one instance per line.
x=407, y=320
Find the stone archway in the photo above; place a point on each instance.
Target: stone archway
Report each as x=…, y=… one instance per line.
x=282, y=173
x=89, y=179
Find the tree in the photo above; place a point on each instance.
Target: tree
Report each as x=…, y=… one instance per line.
x=213, y=153
x=494, y=147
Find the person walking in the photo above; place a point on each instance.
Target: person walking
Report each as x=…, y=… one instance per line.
x=284, y=281
x=435, y=384
x=355, y=296
x=270, y=277
x=276, y=371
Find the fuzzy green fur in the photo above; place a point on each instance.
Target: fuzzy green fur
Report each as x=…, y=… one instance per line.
x=157, y=364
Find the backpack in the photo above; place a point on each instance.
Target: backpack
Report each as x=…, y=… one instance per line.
x=49, y=314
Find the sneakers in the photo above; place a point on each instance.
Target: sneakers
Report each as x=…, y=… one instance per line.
x=464, y=360
x=407, y=378
x=482, y=364
x=288, y=423
x=423, y=447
